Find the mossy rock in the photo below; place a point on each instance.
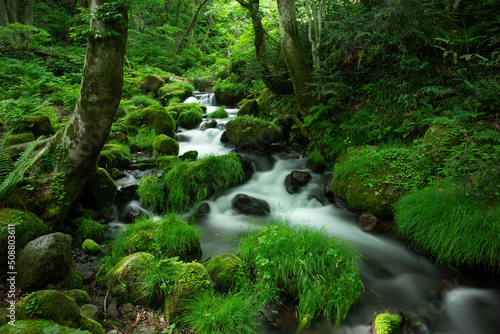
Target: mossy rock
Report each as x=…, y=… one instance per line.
x=190, y=155
x=219, y=113
x=193, y=279
x=38, y=125
x=55, y=306
x=166, y=161
x=114, y=155
x=119, y=127
x=440, y=138
x=387, y=322
x=249, y=108
x=34, y=326
x=229, y=93
x=189, y=119
x=181, y=90
x=27, y=226
x=222, y=270
x=372, y=180
x=179, y=108
x=20, y=138
x=119, y=137
x=151, y=83
x=73, y=280
x=79, y=296
x=249, y=132
x=315, y=161
x=164, y=145
x=100, y=191
x=91, y=247
x=153, y=116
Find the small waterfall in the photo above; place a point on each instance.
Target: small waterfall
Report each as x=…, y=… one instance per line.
x=207, y=99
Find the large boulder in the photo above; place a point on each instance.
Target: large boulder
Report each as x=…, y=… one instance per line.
x=17, y=228
x=250, y=205
x=46, y=259
x=151, y=83
x=180, y=90
x=164, y=145
x=249, y=108
x=153, y=116
x=248, y=132
x=114, y=156
x=222, y=270
x=189, y=119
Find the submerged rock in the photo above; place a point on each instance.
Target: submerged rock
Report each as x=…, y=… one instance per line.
x=369, y=222
x=250, y=205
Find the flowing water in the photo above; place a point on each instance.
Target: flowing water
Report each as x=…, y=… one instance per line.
x=393, y=276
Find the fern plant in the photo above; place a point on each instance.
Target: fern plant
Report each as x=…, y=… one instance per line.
x=12, y=174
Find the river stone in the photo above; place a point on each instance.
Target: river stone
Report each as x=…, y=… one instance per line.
x=128, y=311
x=369, y=222
x=126, y=193
x=393, y=321
x=203, y=209
x=164, y=145
x=44, y=260
x=252, y=133
x=132, y=211
x=212, y=124
x=151, y=83
x=296, y=179
x=250, y=205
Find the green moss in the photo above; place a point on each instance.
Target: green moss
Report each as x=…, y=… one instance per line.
x=164, y=145
x=27, y=227
x=114, y=155
x=190, y=155
x=151, y=83
x=35, y=326
x=90, y=246
x=249, y=108
x=189, y=119
x=222, y=270
x=219, y=113
x=181, y=90
x=229, y=94
x=79, y=296
x=167, y=161
x=91, y=325
x=154, y=116
x=388, y=323
x=440, y=138
x=315, y=161
x=73, y=280
x=90, y=229
x=247, y=131
x=37, y=124
x=20, y=138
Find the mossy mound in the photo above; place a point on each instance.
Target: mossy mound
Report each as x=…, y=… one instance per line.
x=219, y=113
x=91, y=247
x=100, y=191
x=455, y=227
x=371, y=179
x=35, y=326
x=114, y=156
x=79, y=296
x=249, y=132
x=73, y=280
x=164, y=145
x=26, y=227
x=189, y=119
x=229, y=93
x=179, y=108
x=181, y=90
x=39, y=125
x=151, y=83
x=249, y=108
x=20, y=138
x=222, y=270
x=167, y=161
x=193, y=280
x=153, y=116
x=440, y=138
x=89, y=229
x=315, y=161
x=386, y=323
x=167, y=238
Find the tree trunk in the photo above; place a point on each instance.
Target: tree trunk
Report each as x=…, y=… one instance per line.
x=295, y=57
x=190, y=28
x=76, y=148
x=28, y=12
x=4, y=18
x=13, y=10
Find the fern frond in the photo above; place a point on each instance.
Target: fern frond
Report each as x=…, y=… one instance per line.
x=5, y=166
x=488, y=135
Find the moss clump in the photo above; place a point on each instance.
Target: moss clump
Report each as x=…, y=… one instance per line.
x=181, y=90
x=79, y=296
x=372, y=179
x=229, y=93
x=35, y=326
x=164, y=145
x=151, y=83
x=179, y=108
x=249, y=108
x=89, y=229
x=251, y=132
x=73, y=280
x=37, y=124
x=455, y=227
x=20, y=138
x=219, y=113
x=440, y=138
x=91, y=247
x=190, y=155
x=315, y=161
x=27, y=227
x=114, y=155
x=101, y=189
x=153, y=116
x=386, y=323
x=189, y=119
x=193, y=279
x=222, y=270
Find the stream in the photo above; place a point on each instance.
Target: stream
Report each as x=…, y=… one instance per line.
x=393, y=275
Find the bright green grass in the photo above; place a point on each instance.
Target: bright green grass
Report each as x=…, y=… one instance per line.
x=457, y=229
x=90, y=229
x=304, y=262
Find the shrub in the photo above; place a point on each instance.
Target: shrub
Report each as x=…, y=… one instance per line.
x=303, y=262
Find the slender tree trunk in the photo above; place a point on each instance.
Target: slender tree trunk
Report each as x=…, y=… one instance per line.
x=295, y=56
x=191, y=26
x=13, y=10
x=4, y=17
x=28, y=12
x=76, y=148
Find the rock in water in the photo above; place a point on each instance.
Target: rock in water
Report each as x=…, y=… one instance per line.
x=250, y=205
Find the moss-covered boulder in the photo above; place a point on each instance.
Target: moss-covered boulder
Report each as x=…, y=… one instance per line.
x=316, y=162
x=35, y=326
x=193, y=279
x=153, y=116
x=73, y=280
x=151, y=83
x=387, y=321
x=91, y=247
x=440, y=138
x=229, y=93
x=46, y=259
x=179, y=108
x=249, y=108
x=170, y=237
x=249, y=132
x=38, y=125
x=55, y=306
x=114, y=155
x=180, y=90
x=164, y=145
x=100, y=191
x=24, y=225
x=20, y=138
x=189, y=119
x=371, y=179
x=219, y=113
x=79, y=296
x=222, y=270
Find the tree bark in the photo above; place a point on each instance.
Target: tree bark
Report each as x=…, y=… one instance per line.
x=28, y=12
x=295, y=57
x=76, y=148
x=13, y=10
x=4, y=17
